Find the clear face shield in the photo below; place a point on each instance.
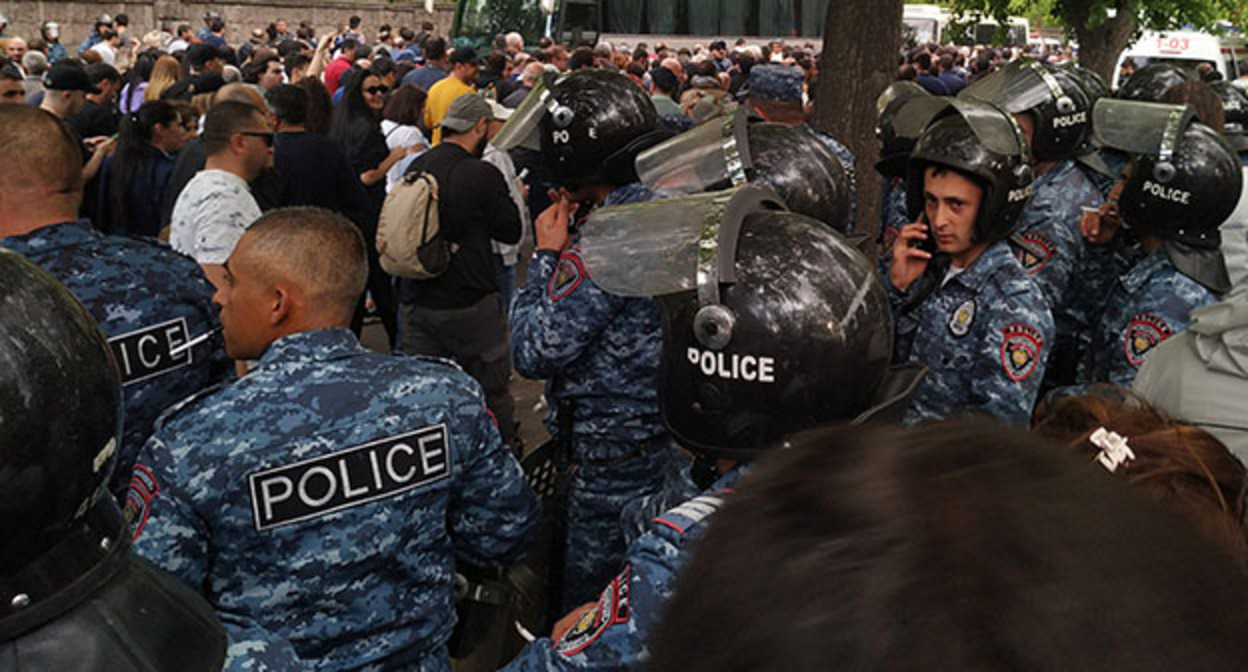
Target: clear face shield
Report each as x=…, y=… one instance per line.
x=1021, y=86
x=999, y=132
x=522, y=127
x=1135, y=127
x=715, y=152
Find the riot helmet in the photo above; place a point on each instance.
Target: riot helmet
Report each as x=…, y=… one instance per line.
x=1185, y=180
x=1152, y=81
x=1054, y=99
x=60, y=412
x=759, y=342
x=1093, y=84
x=894, y=148
x=734, y=150
x=594, y=122
x=979, y=141
x=51, y=30
x=1235, y=109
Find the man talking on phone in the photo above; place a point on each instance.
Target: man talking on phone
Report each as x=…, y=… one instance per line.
x=964, y=306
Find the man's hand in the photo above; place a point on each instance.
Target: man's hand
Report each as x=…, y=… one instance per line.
x=909, y=261
x=551, y=227
x=1099, y=226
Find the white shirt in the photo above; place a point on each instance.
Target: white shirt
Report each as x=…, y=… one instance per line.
x=107, y=53
x=402, y=136
x=210, y=215
x=502, y=161
x=178, y=45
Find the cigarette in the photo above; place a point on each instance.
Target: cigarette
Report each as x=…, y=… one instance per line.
x=175, y=351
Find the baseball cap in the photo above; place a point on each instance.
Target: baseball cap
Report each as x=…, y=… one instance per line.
x=465, y=112
x=68, y=77
x=466, y=55
x=776, y=82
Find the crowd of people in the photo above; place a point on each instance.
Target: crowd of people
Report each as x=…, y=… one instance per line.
x=1001, y=427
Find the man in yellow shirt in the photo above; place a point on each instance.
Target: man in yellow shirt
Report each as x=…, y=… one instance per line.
x=464, y=67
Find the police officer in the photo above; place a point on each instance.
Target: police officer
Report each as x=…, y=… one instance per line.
x=153, y=304
x=895, y=148
x=322, y=501
x=1056, y=116
x=1183, y=182
x=72, y=595
x=736, y=149
x=598, y=352
x=965, y=307
x=775, y=93
x=746, y=361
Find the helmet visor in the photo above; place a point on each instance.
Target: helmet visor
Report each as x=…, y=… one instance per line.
x=716, y=152
x=1020, y=86
x=995, y=129
x=661, y=247
x=521, y=128
x=1140, y=128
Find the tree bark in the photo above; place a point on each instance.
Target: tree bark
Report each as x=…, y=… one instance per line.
x=1100, y=46
x=861, y=41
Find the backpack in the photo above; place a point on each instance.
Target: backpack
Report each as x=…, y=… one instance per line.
x=407, y=233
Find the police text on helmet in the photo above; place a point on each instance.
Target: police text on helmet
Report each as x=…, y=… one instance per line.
x=734, y=366
x=1075, y=119
x=1172, y=194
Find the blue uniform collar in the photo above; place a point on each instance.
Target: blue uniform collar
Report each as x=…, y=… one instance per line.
x=311, y=346
x=51, y=237
x=996, y=256
x=1142, y=272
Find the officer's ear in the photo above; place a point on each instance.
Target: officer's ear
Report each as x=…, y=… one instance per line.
x=282, y=301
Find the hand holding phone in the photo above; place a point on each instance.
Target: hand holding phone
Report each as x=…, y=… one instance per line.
x=912, y=250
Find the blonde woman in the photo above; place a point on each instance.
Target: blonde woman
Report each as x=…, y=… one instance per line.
x=165, y=73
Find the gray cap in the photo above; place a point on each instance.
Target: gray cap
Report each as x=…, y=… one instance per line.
x=465, y=112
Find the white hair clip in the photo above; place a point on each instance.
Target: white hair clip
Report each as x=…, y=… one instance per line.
x=1114, y=449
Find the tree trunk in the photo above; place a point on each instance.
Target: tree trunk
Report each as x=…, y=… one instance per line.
x=1100, y=46
x=861, y=41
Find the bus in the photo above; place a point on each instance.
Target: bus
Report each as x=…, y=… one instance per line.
x=675, y=23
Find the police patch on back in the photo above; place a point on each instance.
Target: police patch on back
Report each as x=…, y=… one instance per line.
x=151, y=351
x=1033, y=250
x=1144, y=332
x=348, y=478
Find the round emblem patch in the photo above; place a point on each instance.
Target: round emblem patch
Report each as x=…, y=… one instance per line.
x=960, y=321
x=1033, y=250
x=1144, y=332
x=567, y=276
x=1020, y=351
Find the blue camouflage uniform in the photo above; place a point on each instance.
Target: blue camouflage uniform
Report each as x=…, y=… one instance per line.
x=612, y=635
x=983, y=336
x=601, y=351
x=1149, y=302
x=148, y=300
x=1050, y=247
x=893, y=214
x=321, y=502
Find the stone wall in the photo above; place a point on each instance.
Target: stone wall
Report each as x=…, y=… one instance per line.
x=241, y=16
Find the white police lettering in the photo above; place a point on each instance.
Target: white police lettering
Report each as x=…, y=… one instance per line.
x=1021, y=194
x=348, y=478
x=1073, y=119
x=151, y=351
x=1167, y=193
x=750, y=368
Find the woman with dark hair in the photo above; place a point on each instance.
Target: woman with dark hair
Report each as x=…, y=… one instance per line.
x=356, y=129
x=400, y=124
x=320, y=110
x=134, y=178
x=134, y=88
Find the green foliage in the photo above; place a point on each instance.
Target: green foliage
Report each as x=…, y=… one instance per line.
x=1150, y=14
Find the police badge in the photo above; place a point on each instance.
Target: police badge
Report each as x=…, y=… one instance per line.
x=1033, y=251
x=1143, y=333
x=1020, y=351
x=960, y=321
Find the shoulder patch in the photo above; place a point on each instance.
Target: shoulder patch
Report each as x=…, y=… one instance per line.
x=1033, y=250
x=138, y=507
x=568, y=275
x=1020, y=351
x=348, y=478
x=612, y=608
x=1144, y=332
x=690, y=513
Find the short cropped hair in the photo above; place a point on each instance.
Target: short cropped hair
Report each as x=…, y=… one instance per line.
x=289, y=103
x=224, y=119
x=318, y=250
x=49, y=154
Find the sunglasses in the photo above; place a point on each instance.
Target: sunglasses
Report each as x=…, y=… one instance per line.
x=374, y=90
x=265, y=136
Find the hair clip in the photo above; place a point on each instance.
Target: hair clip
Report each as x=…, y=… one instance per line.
x=1114, y=449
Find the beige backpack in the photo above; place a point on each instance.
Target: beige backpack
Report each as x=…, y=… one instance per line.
x=407, y=233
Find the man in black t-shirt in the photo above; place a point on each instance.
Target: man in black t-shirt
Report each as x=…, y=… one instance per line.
x=459, y=315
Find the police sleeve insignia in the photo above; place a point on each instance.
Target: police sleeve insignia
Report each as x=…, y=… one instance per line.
x=1020, y=351
x=1033, y=250
x=1143, y=333
x=960, y=321
x=612, y=608
x=138, y=507
x=567, y=276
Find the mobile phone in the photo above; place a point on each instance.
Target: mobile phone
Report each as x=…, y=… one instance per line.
x=928, y=244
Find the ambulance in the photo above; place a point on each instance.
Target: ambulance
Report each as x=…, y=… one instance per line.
x=1187, y=49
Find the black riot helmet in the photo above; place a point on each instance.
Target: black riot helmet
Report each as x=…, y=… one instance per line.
x=1184, y=182
x=759, y=341
x=979, y=141
x=894, y=148
x=1235, y=109
x=594, y=122
x=1152, y=81
x=734, y=150
x=60, y=412
x=1054, y=99
x=1094, y=85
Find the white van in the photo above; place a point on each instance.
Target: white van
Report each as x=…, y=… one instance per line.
x=1187, y=49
